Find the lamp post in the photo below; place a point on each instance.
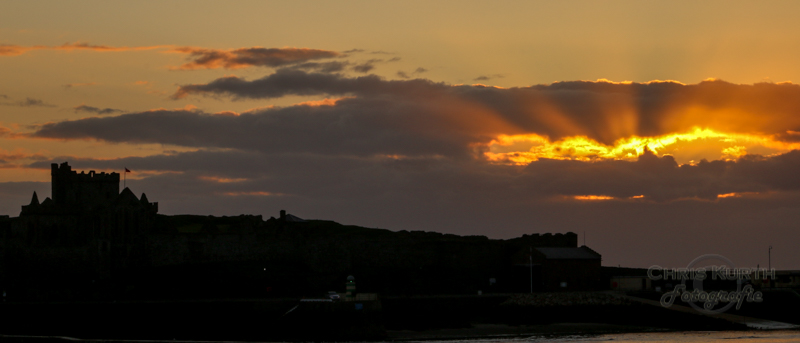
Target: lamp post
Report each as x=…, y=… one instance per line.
x=769, y=263
x=531, y=265
x=769, y=258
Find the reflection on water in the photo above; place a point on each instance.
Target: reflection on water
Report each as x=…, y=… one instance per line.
x=695, y=337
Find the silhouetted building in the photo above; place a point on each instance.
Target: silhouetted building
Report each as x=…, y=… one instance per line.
x=571, y=269
x=83, y=193
x=90, y=237
x=629, y=279
x=87, y=228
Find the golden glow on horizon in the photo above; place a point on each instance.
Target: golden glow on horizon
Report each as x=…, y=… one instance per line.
x=252, y=194
x=603, y=197
x=323, y=102
x=526, y=148
x=480, y=85
x=226, y=114
x=627, y=82
x=592, y=197
x=607, y=197
x=221, y=179
x=736, y=194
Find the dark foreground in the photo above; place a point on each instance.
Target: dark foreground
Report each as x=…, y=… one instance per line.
x=393, y=318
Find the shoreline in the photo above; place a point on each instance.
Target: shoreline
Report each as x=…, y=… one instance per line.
x=477, y=332
x=489, y=331
x=392, y=319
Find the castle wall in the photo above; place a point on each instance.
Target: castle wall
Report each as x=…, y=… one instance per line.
x=84, y=190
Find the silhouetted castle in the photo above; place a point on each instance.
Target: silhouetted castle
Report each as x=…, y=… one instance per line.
x=90, y=240
x=75, y=193
x=87, y=229
x=86, y=209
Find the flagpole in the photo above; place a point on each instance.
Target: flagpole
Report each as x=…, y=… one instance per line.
x=125, y=178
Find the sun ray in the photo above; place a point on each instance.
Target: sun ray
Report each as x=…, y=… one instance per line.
x=697, y=144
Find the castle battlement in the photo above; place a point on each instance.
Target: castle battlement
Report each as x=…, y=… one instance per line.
x=65, y=170
x=82, y=190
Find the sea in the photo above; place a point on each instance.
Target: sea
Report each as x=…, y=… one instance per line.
x=777, y=336
x=687, y=336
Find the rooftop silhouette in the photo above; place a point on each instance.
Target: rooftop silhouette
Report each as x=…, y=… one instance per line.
x=94, y=240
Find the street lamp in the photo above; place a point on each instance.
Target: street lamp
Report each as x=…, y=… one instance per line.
x=531, y=265
x=769, y=258
x=769, y=264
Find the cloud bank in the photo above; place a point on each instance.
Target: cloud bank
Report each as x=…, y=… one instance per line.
x=28, y=102
x=97, y=110
x=418, y=154
x=16, y=50
x=602, y=111
x=415, y=123
x=203, y=58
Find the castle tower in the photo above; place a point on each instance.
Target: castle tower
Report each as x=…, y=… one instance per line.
x=81, y=191
x=60, y=182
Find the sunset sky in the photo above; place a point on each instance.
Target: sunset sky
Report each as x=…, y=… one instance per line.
x=657, y=131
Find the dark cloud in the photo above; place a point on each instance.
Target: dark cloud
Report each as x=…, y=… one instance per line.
x=97, y=110
x=411, y=134
x=28, y=102
x=364, y=67
x=658, y=179
x=369, y=65
x=603, y=111
x=417, y=71
x=323, y=67
x=294, y=82
x=350, y=127
x=488, y=77
x=418, y=125
x=6, y=158
x=102, y=48
x=202, y=58
x=3, y=96
x=351, y=51
x=71, y=85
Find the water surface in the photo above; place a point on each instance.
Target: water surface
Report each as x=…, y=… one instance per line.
x=688, y=336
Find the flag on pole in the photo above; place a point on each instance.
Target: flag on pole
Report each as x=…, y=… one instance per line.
x=127, y=170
